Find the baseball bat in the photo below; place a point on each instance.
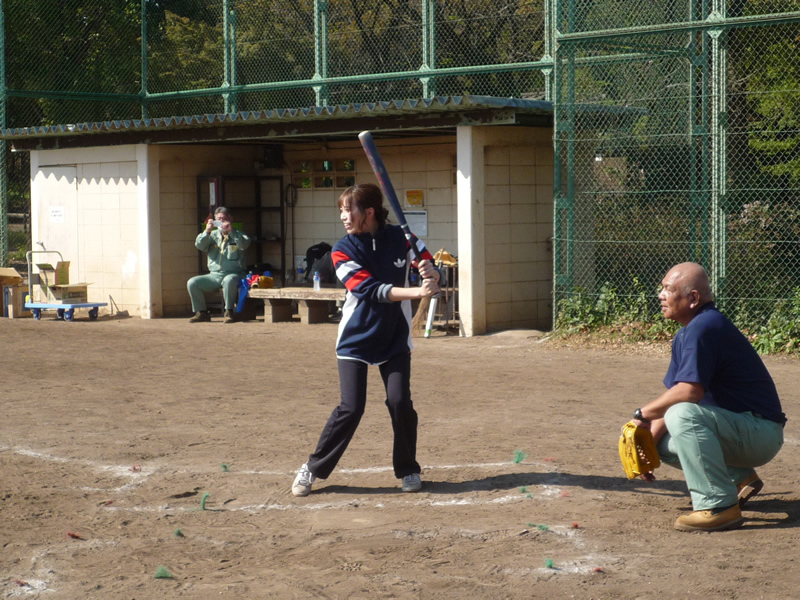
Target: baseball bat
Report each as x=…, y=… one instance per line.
x=431, y=314
x=375, y=160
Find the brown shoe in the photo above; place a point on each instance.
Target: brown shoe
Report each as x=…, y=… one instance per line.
x=201, y=316
x=711, y=520
x=229, y=317
x=749, y=488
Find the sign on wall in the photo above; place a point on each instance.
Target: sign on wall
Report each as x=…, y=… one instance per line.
x=417, y=221
x=58, y=214
x=415, y=198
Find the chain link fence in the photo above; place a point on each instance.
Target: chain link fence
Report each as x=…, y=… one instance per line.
x=77, y=61
x=678, y=139
x=83, y=60
x=677, y=128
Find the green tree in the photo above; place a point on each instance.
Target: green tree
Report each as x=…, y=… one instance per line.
x=71, y=46
x=772, y=65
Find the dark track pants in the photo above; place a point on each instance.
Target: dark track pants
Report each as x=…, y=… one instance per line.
x=344, y=420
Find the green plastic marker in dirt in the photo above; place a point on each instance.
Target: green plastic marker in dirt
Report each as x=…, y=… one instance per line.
x=162, y=573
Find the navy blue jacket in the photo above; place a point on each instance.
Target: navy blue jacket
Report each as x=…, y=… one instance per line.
x=711, y=351
x=373, y=329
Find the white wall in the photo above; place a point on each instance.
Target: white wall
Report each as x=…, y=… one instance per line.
x=506, y=188
x=134, y=212
x=426, y=164
x=178, y=168
x=135, y=216
x=494, y=210
x=102, y=203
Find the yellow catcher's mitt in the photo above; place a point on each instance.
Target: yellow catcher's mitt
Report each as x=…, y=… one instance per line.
x=637, y=450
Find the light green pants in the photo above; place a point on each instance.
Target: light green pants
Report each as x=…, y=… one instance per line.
x=199, y=285
x=717, y=449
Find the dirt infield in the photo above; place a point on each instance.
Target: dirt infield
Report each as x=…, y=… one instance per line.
x=130, y=445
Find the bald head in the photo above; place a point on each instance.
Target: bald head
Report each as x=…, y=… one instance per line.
x=691, y=276
x=684, y=290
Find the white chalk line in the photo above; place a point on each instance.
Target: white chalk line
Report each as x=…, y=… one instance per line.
x=30, y=586
x=580, y=565
x=140, y=474
x=137, y=474
x=488, y=465
x=361, y=502
x=43, y=568
x=143, y=471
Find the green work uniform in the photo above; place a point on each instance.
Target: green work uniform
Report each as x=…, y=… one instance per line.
x=226, y=265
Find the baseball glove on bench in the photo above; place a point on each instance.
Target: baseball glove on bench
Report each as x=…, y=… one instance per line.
x=637, y=450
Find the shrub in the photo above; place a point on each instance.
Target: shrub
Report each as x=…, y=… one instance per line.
x=631, y=318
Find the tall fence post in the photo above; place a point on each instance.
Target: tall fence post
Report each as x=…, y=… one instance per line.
x=3, y=158
x=549, y=44
x=699, y=144
x=719, y=149
x=234, y=96
x=143, y=89
x=321, y=51
x=564, y=147
x=226, y=56
x=428, y=48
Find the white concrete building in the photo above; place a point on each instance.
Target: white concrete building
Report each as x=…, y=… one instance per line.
x=125, y=208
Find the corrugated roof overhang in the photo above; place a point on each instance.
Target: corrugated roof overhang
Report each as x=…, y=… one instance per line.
x=390, y=118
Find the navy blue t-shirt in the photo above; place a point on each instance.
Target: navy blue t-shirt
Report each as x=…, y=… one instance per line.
x=711, y=351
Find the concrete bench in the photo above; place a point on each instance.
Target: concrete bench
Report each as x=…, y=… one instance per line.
x=312, y=306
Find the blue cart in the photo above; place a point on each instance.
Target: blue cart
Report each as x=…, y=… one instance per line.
x=64, y=310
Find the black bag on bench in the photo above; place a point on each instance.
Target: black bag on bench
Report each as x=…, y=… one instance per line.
x=318, y=258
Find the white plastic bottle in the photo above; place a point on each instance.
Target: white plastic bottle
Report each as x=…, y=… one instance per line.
x=317, y=285
x=300, y=275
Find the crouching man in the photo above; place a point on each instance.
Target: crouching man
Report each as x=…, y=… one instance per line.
x=720, y=416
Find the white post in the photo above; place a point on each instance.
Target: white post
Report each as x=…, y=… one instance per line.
x=150, y=301
x=471, y=239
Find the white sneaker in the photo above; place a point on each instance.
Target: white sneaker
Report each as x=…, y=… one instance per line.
x=303, y=481
x=412, y=483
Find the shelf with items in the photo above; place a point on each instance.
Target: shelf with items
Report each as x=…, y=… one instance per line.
x=324, y=174
x=258, y=209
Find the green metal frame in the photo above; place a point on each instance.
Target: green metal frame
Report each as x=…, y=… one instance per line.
x=704, y=49
x=230, y=90
x=708, y=130
x=3, y=147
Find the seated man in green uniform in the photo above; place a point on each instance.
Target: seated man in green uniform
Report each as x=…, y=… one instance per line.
x=226, y=265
